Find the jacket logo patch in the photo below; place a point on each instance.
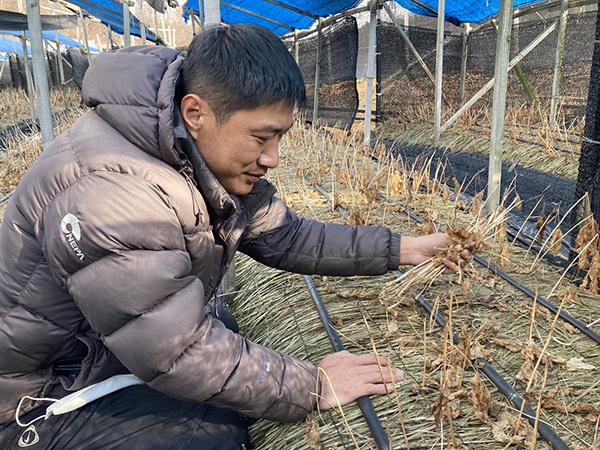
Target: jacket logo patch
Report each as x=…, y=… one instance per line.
x=29, y=437
x=72, y=230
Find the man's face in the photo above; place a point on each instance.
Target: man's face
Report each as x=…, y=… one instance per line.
x=241, y=150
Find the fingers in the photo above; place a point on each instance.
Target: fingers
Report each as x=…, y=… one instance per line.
x=345, y=377
x=451, y=266
x=369, y=358
x=374, y=389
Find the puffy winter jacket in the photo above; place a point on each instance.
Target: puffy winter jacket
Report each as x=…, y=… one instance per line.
x=117, y=236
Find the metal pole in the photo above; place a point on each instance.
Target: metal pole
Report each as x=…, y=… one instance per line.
x=364, y=403
x=560, y=46
x=317, y=71
x=142, y=22
x=200, y=23
x=463, y=63
x=499, y=104
x=201, y=12
x=126, y=24
x=27, y=74
x=34, y=23
x=85, y=40
x=59, y=61
x=108, y=46
x=296, y=47
x=61, y=71
x=191, y=13
x=155, y=23
x=370, y=71
x=3, y=64
x=212, y=12
x=164, y=29
x=439, y=63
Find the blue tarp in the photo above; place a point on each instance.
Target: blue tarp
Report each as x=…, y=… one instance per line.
x=8, y=45
x=321, y=8
x=110, y=12
x=459, y=11
x=456, y=11
x=48, y=35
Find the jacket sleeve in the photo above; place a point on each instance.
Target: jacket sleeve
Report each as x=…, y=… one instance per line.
x=134, y=287
x=279, y=238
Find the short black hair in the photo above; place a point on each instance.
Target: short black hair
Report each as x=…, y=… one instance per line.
x=240, y=66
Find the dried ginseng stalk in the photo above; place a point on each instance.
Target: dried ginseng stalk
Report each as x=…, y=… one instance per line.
x=470, y=237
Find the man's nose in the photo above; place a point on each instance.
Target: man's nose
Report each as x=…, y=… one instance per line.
x=269, y=157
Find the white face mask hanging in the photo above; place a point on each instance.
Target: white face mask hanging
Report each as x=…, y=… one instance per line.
x=80, y=398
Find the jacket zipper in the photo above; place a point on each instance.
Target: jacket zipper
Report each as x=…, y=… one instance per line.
x=197, y=211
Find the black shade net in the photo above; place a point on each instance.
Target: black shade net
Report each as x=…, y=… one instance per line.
x=338, y=97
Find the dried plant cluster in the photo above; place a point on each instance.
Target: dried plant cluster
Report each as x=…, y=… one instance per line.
x=589, y=259
x=471, y=237
x=443, y=401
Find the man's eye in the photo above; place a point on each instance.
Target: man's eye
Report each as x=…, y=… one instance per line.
x=261, y=140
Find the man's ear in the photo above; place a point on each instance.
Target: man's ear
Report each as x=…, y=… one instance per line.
x=194, y=110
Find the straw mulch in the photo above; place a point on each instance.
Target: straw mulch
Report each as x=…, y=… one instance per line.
x=15, y=108
x=472, y=139
x=442, y=401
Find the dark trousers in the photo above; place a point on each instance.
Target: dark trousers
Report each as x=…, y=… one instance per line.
x=136, y=417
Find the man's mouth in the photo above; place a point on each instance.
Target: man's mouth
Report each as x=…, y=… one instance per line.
x=254, y=177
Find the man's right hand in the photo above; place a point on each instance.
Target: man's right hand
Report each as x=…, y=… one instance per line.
x=350, y=376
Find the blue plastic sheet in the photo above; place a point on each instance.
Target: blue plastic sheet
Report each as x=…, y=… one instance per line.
x=6, y=44
x=459, y=11
x=292, y=19
x=456, y=11
x=110, y=12
x=9, y=45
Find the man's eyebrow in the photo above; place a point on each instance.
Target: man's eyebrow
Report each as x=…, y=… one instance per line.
x=271, y=129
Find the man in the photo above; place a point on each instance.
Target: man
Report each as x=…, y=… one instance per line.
x=122, y=230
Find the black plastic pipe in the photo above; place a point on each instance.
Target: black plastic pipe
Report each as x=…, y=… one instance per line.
x=365, y=405
x=545, y=431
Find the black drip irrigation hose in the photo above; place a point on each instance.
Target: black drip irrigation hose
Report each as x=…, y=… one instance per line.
x=364, y=403
x=545, y=431
x=541, y=300
x=6, y=197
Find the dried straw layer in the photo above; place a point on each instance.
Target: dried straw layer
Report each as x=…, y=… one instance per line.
x=473, y=140
x=14, y=104
x=442, y=401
